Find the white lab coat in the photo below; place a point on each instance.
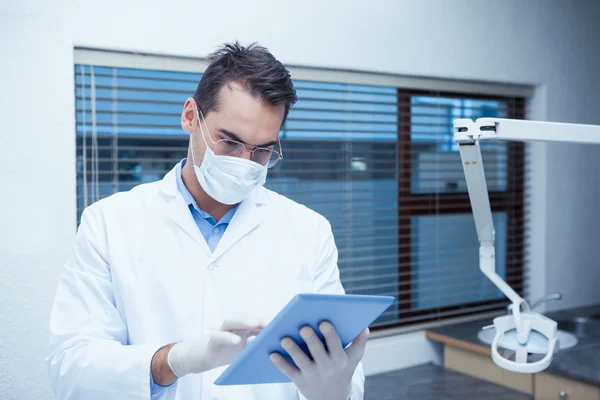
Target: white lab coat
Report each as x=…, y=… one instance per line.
x=142, y=276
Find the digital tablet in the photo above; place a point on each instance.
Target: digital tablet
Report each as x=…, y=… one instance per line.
x=349, y=314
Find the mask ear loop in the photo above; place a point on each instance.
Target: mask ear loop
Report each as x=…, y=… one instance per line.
x=280, y=147
x=198, y=114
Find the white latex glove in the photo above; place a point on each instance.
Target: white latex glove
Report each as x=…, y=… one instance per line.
x=329, y=376
x=215, y=349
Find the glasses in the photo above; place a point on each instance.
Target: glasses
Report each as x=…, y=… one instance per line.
x=260, y=155
x=232, y=148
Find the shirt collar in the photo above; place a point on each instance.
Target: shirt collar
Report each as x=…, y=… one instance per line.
x=187, y=196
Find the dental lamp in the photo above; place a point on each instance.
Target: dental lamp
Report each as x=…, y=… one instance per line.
x=523, y=329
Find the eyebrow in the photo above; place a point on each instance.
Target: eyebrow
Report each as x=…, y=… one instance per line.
x=235, y=137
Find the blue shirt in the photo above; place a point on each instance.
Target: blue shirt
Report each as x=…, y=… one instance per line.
x=211, y=230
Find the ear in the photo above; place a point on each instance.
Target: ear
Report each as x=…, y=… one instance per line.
x=188, y=115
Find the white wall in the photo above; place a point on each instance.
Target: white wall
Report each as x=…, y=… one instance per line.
x=550, y=43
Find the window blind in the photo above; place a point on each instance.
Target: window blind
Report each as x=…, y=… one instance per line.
x=378, y=162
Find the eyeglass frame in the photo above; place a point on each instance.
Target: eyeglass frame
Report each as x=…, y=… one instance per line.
x=246, y=149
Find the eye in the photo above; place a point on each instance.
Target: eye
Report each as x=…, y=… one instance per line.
x=230, y=143
x=262, y=151
x=229, y=147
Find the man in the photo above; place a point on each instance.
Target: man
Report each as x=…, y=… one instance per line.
x=169, y=281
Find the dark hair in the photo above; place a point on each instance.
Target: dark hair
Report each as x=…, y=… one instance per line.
x=254, y=67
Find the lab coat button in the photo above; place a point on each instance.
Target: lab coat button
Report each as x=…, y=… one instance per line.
x=212, y=267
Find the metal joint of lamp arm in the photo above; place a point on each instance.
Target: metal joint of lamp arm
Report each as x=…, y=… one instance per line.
x=467, y=131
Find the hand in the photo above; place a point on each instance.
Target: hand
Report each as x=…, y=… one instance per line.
x=329, y=376
x=215, y=349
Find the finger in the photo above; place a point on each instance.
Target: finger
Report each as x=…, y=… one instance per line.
x=315, y=346
x=244, y=334
x=333, y=341
x=356, y=350
x=297, y=354
x=224, y=338
x=284, y=366
x=254, y=332
x=242, y=324
x=262, y=324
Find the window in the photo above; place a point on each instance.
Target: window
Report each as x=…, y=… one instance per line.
x=377, y=160
x=438, y=248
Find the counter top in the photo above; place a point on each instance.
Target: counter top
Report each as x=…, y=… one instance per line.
x=431, y=382
x=581, y=363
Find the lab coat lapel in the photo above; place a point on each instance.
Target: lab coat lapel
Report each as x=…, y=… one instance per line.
x=177, y=212
x=248, y=216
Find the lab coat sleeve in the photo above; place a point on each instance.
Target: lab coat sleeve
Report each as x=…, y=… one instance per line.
x=327, y=280
x=89, y=356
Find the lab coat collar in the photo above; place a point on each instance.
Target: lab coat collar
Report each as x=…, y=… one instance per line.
x=168, y=185
x=249, y=215
x=178, y=212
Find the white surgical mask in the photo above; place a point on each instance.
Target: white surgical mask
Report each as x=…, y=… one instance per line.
x=228, y=180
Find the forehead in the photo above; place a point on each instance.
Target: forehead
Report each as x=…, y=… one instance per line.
x=249, y=117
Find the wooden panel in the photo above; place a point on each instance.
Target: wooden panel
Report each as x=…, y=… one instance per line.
x=482, y=366
x=552, y=387
x=461, y=344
